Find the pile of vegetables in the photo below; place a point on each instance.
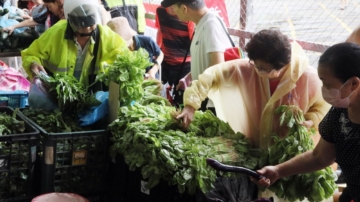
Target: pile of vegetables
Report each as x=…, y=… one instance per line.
x=10, y=125
x=153, y=140
x=52, y=122
x=315, y=186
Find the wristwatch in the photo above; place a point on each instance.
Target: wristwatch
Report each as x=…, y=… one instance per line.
x=156, y=62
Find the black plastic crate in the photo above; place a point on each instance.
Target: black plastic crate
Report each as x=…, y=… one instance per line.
x=17, y=162
x=75, y=162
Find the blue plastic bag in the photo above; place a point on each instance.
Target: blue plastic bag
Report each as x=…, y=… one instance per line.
x=98, y=112
x=39, y=97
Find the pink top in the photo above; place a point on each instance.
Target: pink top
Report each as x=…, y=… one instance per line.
x=59, y=197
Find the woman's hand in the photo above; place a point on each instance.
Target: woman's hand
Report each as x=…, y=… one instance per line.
x=308, y=124
x=10, y=29
x=187, y=115
x=270, y=173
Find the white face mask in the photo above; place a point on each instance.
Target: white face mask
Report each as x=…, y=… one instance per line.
x=333, y=97
x=270, y=75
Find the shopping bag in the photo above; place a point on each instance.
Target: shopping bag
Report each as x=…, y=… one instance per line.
x=39, y=97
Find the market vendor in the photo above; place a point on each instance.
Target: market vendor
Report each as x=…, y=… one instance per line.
x=67, y=48
x=134, y=41
x=339, y=70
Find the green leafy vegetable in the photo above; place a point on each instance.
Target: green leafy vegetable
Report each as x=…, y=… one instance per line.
x=153, y=140
x=128, y=71
x=315, y=186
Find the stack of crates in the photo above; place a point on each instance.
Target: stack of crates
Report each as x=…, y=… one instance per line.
x=17, y=162
x=14, y=99
x=74, y=162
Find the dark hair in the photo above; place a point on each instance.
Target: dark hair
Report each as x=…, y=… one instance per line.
x=49, y=1
x=343, y=59
x=271, y=46
x=195, y=4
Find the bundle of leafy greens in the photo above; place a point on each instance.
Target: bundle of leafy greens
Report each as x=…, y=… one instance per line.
x=153, y=140
x=315, y=186
x=69, y=94
x=10, y=125
x=128, y=71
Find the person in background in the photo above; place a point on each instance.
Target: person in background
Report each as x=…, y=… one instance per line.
x=344, y=4
x=209, y=42
x=174, y=38
x=246, y=92
x=47, y=14
x=339, y=70
x=132, y=10
x=46, y=18
x=121, y=26
x=28, y=13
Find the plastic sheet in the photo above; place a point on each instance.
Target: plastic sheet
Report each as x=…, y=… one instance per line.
x=39, y=97
x=239, y=189
x=98, y=112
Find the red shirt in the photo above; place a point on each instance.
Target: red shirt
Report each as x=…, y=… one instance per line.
x=176, y=36
x=273, y=86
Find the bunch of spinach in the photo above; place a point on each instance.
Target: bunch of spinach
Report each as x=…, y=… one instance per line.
x=150, y=138
x=10, y=125
x=128, y=71
x=52, y=122
x=315, y=186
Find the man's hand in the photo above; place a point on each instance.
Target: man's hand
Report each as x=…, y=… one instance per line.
x=187, y=115
x=36, y=68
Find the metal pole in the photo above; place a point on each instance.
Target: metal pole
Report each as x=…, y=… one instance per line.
x=243, y=13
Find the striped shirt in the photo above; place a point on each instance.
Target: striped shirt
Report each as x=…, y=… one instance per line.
x=176, y=36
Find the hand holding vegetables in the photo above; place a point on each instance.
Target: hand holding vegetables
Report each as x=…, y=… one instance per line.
x=37, y=68
x=308, y=124
x=187, y=115
x=314, y=184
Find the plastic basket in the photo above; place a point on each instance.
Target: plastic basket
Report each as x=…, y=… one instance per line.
x=14, y=99
x=75, y=162
x=17, y=162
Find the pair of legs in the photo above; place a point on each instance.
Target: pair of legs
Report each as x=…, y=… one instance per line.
x=344, y=4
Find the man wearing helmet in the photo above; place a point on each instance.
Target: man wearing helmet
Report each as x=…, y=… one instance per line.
x=78, y=46
x=67, y=47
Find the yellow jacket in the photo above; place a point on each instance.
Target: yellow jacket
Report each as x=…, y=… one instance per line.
x=243, y=99
x=55, y=50
x=134, y=5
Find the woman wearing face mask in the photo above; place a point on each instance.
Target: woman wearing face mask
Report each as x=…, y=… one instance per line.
x=339, y=70
x=246, y=92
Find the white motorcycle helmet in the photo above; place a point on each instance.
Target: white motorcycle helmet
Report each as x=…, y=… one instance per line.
x=82, y=13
